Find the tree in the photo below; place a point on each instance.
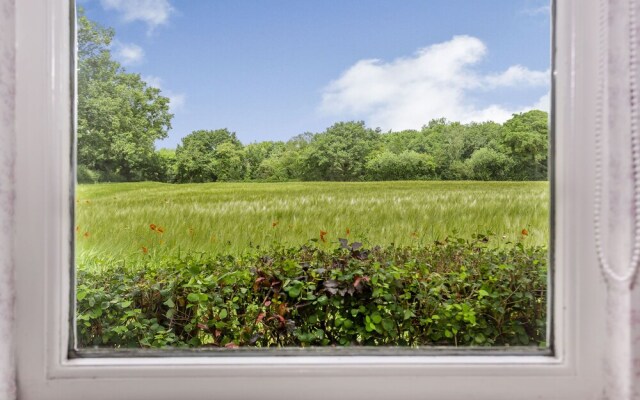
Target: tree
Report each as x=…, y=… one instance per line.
x=447, y=143
x=198, y=158
x=257, y=153
x=340, y=153
x=167, y=165
x=408, y=165
x=487, y=164
x=229, y=161
x=119, y=116
x=526, y=141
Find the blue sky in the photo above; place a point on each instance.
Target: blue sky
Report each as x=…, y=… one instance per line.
x=272, y=69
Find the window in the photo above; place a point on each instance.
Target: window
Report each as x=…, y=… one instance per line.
x=372, y=233
x=44, y=171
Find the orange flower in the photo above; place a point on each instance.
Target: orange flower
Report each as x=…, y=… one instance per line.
x=525, y=232
x=160, y=229
x=274, y=224
x=153, y=227
x=348, y=231
x=145, y=250
x=87, y=234
x=322, y=235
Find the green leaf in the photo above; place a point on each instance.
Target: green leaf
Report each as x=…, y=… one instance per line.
x=388, y=324
x=193, y=297
x=376, y=318
x=223, y=313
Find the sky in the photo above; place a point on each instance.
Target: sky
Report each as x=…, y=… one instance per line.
x=273, y=69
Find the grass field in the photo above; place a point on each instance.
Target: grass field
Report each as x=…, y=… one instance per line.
x=132, y=220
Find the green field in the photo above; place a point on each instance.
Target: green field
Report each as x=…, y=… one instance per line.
x=131, y=220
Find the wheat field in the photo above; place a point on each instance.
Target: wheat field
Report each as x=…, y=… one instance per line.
x=129, y=220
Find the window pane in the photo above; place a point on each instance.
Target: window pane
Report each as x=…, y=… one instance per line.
x=296, y=174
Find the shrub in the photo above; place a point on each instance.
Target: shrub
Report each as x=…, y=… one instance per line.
x=86, y=175
x=451, y=293
x=407, y=165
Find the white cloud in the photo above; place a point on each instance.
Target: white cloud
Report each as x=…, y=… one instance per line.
x=151, y=12
x=433, y=83
x=544, y=103
x=128, y=53
x=517, y=75
x=542, y=10
x=177, y=101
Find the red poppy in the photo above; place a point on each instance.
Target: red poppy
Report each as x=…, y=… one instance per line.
x=274, y=224
x=322, y=235
x=145, y=250
x=153, y=227
x=525, y=232
x=87, y=234
x=348, y=231
x=160, y=229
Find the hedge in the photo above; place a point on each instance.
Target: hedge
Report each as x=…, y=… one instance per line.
x=455, y=292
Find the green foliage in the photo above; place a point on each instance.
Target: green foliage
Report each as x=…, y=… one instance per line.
x=119, y=116
x=408, y=165
x=340, y=153
x=526, y=141
x=451, y=293
x=208, y=156
x=487, y=164
x=85, y=175
x=167, y=169
x=258, y=153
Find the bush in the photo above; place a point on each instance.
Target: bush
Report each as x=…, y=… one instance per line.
x=86, y=175
x=407, y=165
x=451, y=293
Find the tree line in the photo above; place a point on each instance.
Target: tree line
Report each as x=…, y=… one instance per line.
x=120, y=117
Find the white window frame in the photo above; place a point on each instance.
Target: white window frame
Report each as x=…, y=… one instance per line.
x=44, y=231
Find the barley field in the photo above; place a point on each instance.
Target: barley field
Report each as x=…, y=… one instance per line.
x=129, y=220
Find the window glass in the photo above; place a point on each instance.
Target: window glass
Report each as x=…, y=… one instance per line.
x=296, y=174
